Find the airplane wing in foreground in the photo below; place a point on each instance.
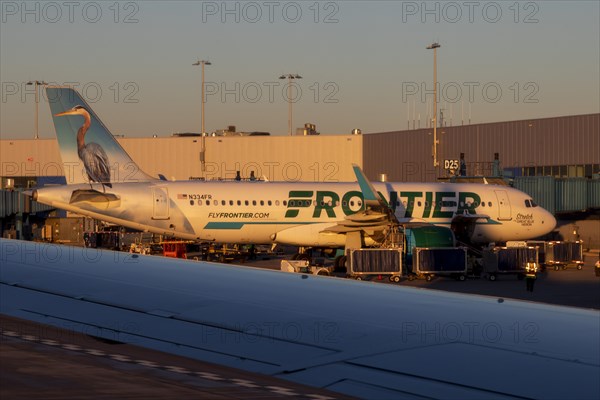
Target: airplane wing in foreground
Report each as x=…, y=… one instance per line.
x=359, y=338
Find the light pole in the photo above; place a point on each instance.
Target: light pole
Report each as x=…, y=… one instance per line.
x=434, y=46
x=37, y=102
x=289, y=77
x=203, y=133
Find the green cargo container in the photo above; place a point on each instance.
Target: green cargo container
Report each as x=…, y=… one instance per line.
x=429, y=236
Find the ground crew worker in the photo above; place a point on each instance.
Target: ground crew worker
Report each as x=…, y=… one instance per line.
x=530, y=275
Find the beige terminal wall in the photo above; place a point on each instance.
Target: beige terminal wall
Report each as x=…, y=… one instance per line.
x=296, y=158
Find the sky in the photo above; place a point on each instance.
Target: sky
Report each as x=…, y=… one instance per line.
x=364, y=64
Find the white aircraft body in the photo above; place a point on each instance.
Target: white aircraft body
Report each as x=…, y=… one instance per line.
x=109, y=186
x=358, y=338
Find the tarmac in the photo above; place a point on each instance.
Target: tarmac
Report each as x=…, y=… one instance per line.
x=43, y=362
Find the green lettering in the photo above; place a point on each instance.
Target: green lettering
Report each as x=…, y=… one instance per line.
x=348, y=198
x=439, y=203
x=469, y=205
x=410, y=202
x=428, y=203
x=326, y=201
x=304, y=201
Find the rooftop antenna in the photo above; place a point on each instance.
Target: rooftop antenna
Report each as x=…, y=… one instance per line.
x=414, y=108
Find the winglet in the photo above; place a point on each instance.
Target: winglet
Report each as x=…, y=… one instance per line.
x=366, y=187
x=372, y=198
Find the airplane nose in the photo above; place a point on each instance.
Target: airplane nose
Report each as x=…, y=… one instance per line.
x=548, y=222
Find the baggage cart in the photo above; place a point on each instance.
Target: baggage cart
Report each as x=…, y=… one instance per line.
x=560, y=255
x=377, y=261
x=440, y=261
x=508, y=261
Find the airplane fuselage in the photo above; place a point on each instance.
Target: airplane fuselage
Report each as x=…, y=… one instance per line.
x=296, y=213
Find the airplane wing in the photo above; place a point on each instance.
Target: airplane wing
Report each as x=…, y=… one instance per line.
x=359, y=338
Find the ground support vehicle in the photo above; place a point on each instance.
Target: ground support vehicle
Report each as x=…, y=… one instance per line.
x=304, y=267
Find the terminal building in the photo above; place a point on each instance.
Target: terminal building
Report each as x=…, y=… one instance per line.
x=556, y=160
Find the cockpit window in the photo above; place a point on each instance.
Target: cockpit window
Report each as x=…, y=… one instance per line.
x=533, y=203
x=527, y=203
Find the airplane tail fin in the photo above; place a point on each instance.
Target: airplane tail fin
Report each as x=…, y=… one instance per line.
x=89, y=152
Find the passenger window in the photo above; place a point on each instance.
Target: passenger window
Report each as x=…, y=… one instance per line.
x=199, y=202
x=489, y=203
x=253, y=202
x=419, y=203
x=284, y=202
x=246, y=202
x=262, y=202
x=216, y=203
x=269, y=202
x=191, y=202
x=223, y=202
x=230, y=202
x=239, y=202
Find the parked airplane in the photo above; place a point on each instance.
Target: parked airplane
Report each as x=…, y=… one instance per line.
x=106, y=184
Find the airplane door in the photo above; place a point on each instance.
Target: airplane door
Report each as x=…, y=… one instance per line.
x=504, y=212
x=160, y=198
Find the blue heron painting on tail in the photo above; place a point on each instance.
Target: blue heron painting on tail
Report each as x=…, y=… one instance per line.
x=92, y=155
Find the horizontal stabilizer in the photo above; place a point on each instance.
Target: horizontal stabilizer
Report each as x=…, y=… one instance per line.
x=94, y=196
